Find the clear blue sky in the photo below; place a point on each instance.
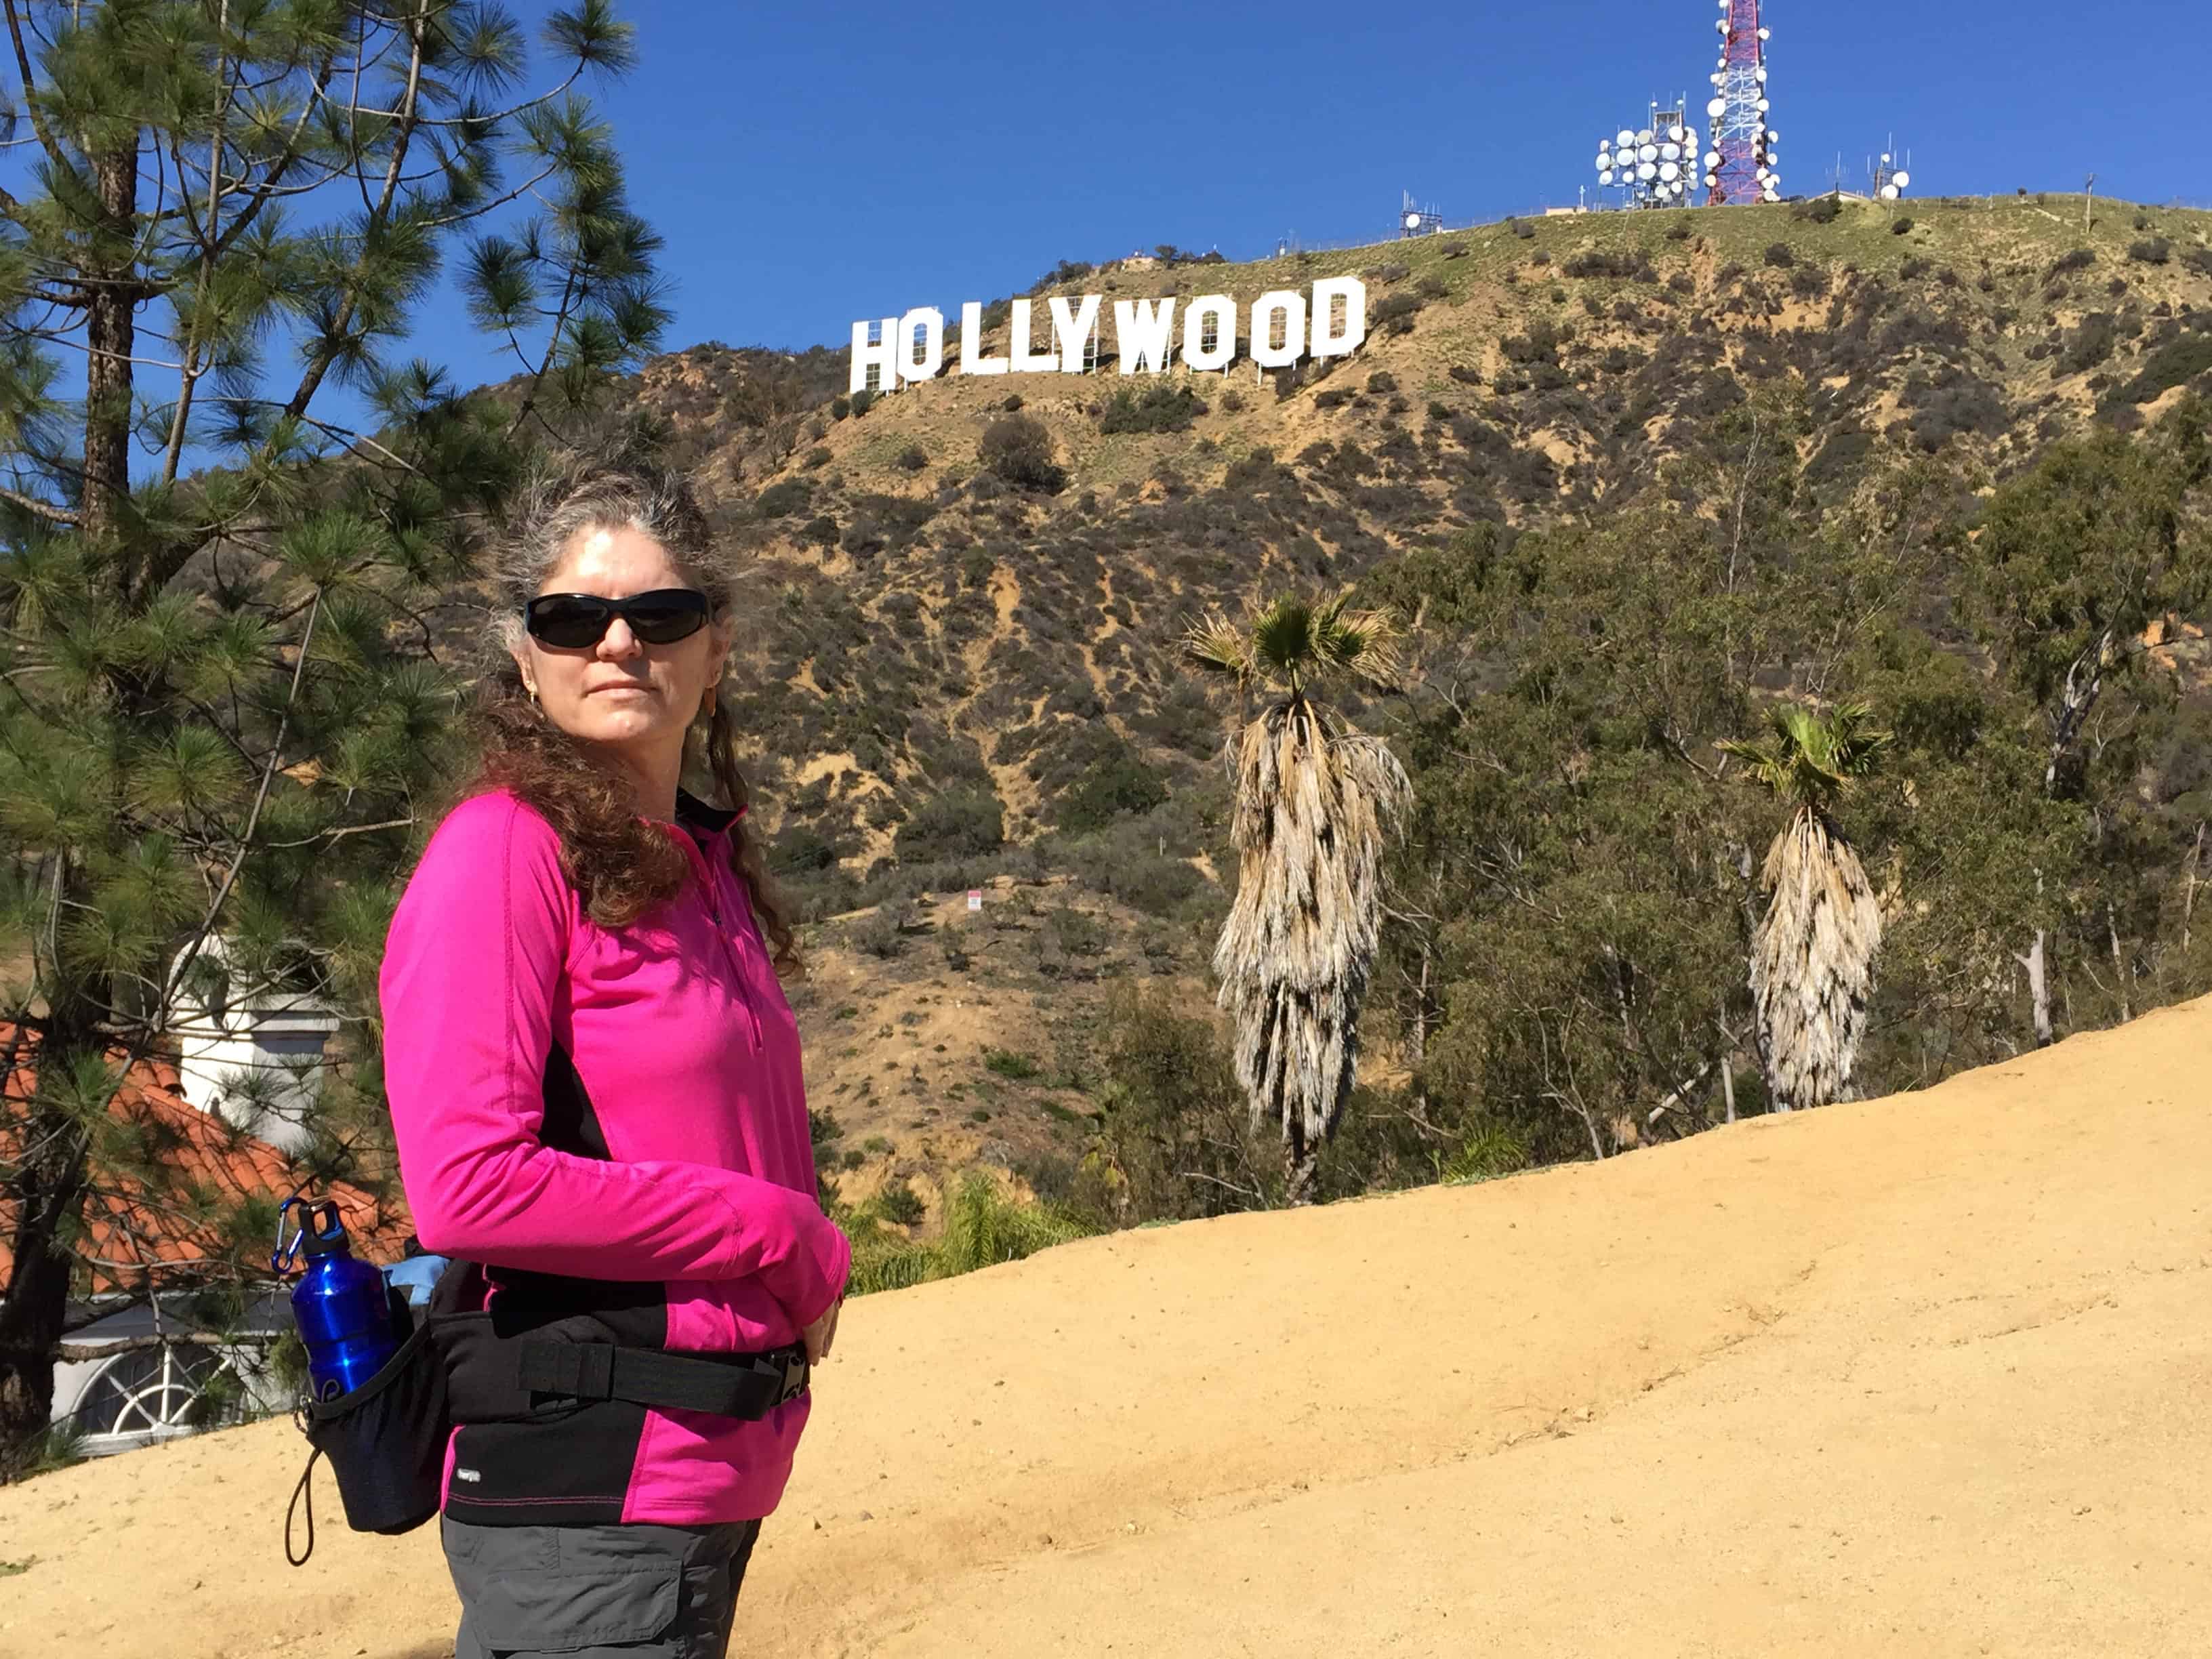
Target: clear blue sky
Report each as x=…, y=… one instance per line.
x=810, y=164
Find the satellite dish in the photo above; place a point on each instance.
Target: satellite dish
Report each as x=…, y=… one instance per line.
x=1889, y=192
x=1626, y=138
x=1670, y=152
x=1885, y=158
x=1648, y=153
x=1712, y=159
x=1677, y=134
x=1721, y=24
x=1668, y=171
x=1647, y=172
x=1645, y=137
x=1902, y=180
x=1762, y=71
x=1772, y=135
x=1717, y=108
x=1712, y=179
x=1412, y=221
x=1606, y=178
x=1766, y=34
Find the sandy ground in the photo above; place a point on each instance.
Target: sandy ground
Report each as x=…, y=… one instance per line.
x=1919, y=1376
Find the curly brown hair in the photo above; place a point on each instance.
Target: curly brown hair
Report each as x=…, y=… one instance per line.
x=618, y=862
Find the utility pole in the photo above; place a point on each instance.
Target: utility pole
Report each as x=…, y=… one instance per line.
x=2089, y=195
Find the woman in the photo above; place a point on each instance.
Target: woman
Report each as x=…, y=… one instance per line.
x=594, y=1080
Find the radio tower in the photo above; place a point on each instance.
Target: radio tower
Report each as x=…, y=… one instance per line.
x=1740, y=166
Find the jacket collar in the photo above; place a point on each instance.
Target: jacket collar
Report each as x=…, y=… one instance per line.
x=699, y=818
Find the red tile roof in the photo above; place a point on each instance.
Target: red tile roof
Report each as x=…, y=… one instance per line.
x=178, y=1226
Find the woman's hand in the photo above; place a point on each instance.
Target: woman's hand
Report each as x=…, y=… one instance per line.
x=821, y=1334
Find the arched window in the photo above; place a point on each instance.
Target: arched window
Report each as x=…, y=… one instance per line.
x=156, y=1394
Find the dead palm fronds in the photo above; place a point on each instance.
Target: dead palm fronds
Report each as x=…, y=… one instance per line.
x=1315, y=801
x=1812, y=954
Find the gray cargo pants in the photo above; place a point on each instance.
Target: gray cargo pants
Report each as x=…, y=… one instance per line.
x=596, y=1592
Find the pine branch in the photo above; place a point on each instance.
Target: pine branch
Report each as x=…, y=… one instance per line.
x=44, y=510
x=30, y=92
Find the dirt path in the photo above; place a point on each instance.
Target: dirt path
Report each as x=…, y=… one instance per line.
x=1917, y=1376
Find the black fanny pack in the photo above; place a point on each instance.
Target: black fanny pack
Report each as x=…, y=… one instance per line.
x=386, y=1440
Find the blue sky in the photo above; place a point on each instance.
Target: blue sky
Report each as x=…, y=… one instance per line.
x=809, y=165
x=813, y=164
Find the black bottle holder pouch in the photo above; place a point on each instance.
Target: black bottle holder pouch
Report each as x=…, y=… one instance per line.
x=386, y=1441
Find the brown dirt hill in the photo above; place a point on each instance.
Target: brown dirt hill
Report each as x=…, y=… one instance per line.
x=923, y=632
x=1917, y=1376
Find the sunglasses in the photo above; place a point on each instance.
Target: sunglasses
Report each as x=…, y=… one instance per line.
x=570, y=621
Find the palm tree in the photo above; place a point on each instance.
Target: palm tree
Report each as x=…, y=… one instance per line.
x=1813, y=953
x=1315, y=800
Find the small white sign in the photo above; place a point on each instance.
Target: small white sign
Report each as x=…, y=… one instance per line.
x=975, y=898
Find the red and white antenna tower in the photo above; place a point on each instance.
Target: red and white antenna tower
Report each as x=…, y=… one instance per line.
x=1741, y=165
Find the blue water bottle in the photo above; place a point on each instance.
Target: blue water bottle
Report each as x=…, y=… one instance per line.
x=341, y=1304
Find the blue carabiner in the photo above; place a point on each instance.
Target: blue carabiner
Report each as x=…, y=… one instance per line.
x=287, y=1254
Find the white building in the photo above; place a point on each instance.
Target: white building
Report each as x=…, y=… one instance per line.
x=251, y=1055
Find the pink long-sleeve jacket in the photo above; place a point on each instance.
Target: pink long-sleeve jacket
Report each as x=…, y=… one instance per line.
x=613, y=1122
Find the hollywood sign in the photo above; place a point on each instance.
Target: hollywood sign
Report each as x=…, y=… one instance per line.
x=1285, y=327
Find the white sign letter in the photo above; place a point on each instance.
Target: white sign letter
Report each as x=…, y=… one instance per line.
x=1027, y=362
x=922, y=343
x=1288, y=309
x=1329, y=340
x=1209, y=331
x=882, y=357
x=1143, y=332
x=1071, y=327
x=972, y=362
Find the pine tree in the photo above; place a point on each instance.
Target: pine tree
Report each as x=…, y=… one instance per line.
x=228, y=511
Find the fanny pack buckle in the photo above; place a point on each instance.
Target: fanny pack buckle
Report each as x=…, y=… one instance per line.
x=791, y=1372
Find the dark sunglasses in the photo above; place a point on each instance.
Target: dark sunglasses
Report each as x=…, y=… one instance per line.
x=570, y=621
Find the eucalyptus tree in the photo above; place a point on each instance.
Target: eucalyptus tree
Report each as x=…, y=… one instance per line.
x=1813, y=948
x=1316, y=802
x=228, y=507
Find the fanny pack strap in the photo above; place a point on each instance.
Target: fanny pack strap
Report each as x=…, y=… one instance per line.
x=746, y=1386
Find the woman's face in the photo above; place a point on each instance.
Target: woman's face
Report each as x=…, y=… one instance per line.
x=622, y=693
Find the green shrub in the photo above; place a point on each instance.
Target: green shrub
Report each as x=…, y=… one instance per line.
x=1160, y=407
x=780, y=501
x=815, y=457
x=911, y=459
x=863, y=401
x=801, y=849
x=1018, y=450
x=2151, y=251
x=1779, y=257
x=1820, y=210
x=1900, y=225
x=2173, y=364
x=899, y=1204
x=1114, y=786
x=958, y=825
x=840, y=407
x=1010, y=1063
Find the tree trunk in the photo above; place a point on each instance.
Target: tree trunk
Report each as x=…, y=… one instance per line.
x=48, y=1189
x=2039, y=988
x=2119, y=966
x=1728, y=1086
x=1301, y=1165
x=110, y=325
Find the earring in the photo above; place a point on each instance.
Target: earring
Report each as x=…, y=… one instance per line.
x=707, y=702
x=532, y=692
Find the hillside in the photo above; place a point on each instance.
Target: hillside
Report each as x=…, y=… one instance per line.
x=1915, y=1376
x=940, y=660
